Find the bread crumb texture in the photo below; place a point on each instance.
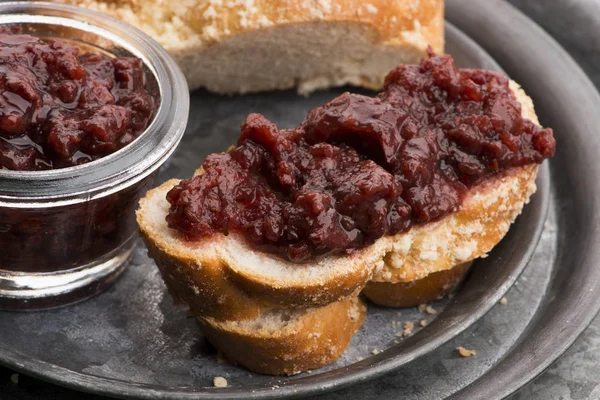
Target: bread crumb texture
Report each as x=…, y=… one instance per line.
x=465, y=353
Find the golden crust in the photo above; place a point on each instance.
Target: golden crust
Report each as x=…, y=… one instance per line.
x=215, y=285
x=426, y=256
x=203, y=286
x=224, y=45
x=210, y=21
x=312, y=340
x=419, y=291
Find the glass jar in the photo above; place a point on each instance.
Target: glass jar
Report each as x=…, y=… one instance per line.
x=66, y=234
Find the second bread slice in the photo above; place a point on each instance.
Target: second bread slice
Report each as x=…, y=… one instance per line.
x=287, y=342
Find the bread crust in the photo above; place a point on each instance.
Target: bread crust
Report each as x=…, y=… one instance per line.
x=433, y=287
x=215, y=283
x=427, y=256
x=206, y=22
x=246, y=31
x=314, y=339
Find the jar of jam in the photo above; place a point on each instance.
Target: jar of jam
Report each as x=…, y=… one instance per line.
x=90, y=108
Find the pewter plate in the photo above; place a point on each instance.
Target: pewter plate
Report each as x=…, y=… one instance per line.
x=131, y=341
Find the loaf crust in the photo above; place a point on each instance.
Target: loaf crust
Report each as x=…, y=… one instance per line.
x=237, y=46
x=310, y=339
x=433, y=287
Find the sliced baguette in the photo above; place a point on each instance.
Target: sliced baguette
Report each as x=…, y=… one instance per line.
x=287, y=341
x=239, y=46
x=223, y=278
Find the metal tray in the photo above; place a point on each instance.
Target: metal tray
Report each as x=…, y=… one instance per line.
x=131, y=341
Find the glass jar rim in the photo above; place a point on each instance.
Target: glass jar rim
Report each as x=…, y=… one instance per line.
x=133, y=162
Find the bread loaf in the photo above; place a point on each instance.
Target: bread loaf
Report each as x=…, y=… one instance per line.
x=240, y=46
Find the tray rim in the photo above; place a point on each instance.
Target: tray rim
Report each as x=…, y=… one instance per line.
x=80, y=384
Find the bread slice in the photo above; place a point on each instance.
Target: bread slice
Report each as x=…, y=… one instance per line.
x=431, y=259
x=287, y=341
x=224, y=278
x=433, y=287
x=239, y=46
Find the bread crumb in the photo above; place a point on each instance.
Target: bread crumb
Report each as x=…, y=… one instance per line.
x=423, y=323
x=465, y=353
x=504, y=301
x=422, y=308
x=375, y=351
x=219, y=381
x=399, y=314
x=309, y=371
x=430, y=310
x=408, y=328
x=14, y=378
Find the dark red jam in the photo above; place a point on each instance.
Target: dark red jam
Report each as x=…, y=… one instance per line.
x=362, y=167
x=61, y=238
x=59, y=108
